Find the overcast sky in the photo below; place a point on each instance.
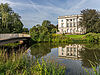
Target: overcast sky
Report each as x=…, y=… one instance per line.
x=35, y=11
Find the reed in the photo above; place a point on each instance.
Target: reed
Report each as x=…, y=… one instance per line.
x=24, y=65
x=95, y=69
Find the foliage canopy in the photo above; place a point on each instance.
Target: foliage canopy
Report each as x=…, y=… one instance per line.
x=91, y=20
x=42, y=32
x=9, y=20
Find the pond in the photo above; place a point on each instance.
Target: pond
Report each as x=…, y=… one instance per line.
x=76, y=57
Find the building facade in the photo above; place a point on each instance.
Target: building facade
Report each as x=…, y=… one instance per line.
x=70, y=25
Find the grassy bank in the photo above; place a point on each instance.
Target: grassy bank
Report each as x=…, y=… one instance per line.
x=87, y=38
x=75, y=36
x=62, y=38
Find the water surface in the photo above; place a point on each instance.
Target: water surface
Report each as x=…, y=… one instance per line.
x=75, y=57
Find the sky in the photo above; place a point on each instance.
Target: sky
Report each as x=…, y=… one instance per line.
x=33, y=12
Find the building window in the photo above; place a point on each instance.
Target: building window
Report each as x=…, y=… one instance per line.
x=67, y=24
x=67, y=19
x=70, y=30
x=80, y=19
x=74, y=49
x=74, y=30
x=67, y=48
x=70, y=24
x=61, y=20
x=70, y=19
x=62, y=24
x=73, y=19
x=70, y=49
x=74, y=24
x=71, y=54
x=67, y=30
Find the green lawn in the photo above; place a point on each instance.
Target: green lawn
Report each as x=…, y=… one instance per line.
x=74, y=36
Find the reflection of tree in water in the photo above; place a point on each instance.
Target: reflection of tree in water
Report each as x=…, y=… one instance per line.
x=41, y=49
x=90, y=53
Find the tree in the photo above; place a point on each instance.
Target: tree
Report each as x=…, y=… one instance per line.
x=46, y=23
x=90, y=20
x=10, y=22
x=17, y=25
x=42, y=32
x=34, y=33
x=97, y=26
x=40, y=49
x=25, y=30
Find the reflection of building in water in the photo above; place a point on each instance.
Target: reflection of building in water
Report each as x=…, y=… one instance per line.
x=70, y=51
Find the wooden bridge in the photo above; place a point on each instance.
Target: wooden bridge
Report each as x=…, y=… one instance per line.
x=9, y=38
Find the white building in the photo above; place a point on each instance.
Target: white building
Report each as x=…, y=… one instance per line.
x=70, y=24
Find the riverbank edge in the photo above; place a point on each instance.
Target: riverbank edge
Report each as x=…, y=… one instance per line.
x=62, y=38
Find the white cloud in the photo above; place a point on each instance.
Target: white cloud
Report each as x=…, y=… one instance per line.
x=33, y=13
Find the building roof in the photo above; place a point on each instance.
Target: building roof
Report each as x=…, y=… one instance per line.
x=69, y=16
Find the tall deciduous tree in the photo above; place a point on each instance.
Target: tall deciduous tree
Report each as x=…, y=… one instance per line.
x=90, y=21
x=42, y=32
x=9, y=21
